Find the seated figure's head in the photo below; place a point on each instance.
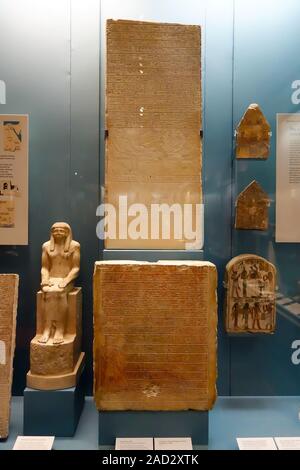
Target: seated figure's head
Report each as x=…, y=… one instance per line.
x=61, y=231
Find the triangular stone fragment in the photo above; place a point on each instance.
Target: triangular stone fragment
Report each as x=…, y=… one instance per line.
x=253, y=134
x=252, y=208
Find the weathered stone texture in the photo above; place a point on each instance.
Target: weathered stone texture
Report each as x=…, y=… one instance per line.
x=155, y=327
x=8, y=317
x=250, y=283
x=153, y=120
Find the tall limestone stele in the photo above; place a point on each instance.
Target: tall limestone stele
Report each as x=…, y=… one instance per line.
x=56, y=360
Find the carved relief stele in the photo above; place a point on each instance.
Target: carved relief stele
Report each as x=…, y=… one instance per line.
x=8, y=317
x=155, y=327
x=250, y=283
x=253, y=134
x=251, y=209
x=56, y=360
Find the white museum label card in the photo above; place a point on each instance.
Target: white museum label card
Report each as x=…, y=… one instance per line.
x=34, y=443
x=173, y=443
x=288, y=178
x=256, y=443
x=13, y=179
x=134, y=443
x=288, y=443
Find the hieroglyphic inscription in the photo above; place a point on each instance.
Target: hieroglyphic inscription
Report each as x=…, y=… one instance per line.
x=153, y=119
x=155, y=335
x=8, y=312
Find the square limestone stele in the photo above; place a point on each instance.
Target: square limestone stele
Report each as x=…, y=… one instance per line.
x=155, y=335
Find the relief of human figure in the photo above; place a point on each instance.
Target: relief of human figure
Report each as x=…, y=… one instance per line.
x=235, y=315
x=60, y=267
x=254, y=282
x=246, y=313
x=256, y=315
x=237, y=284
x=250, y=283
x=269, y=313
x=244, y=276
x=268, y=282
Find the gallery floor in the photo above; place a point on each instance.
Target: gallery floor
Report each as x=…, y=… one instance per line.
x=231, y=417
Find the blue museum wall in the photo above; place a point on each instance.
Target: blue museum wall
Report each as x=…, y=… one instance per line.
x=266, y=50
x=53, y=63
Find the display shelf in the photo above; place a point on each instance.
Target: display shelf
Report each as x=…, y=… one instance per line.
x=248, y=417
x=252, y=417
x=53, y=412
x=86, y=437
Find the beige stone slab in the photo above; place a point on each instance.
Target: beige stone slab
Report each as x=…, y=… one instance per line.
x=153, y=75
x=250, y=283
x=57, y=381
x=155, y=327
x=8, y=317
x=153, y=119
x=148, y=156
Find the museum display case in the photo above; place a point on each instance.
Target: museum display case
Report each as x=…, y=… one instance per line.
x=166, y=138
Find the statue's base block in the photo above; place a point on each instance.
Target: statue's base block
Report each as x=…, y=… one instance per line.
x=114, y=424
x=52, y=413
x=56, y=382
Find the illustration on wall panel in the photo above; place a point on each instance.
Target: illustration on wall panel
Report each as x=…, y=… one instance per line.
x=14, y=154
x=250, y=283
x=12, y=135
